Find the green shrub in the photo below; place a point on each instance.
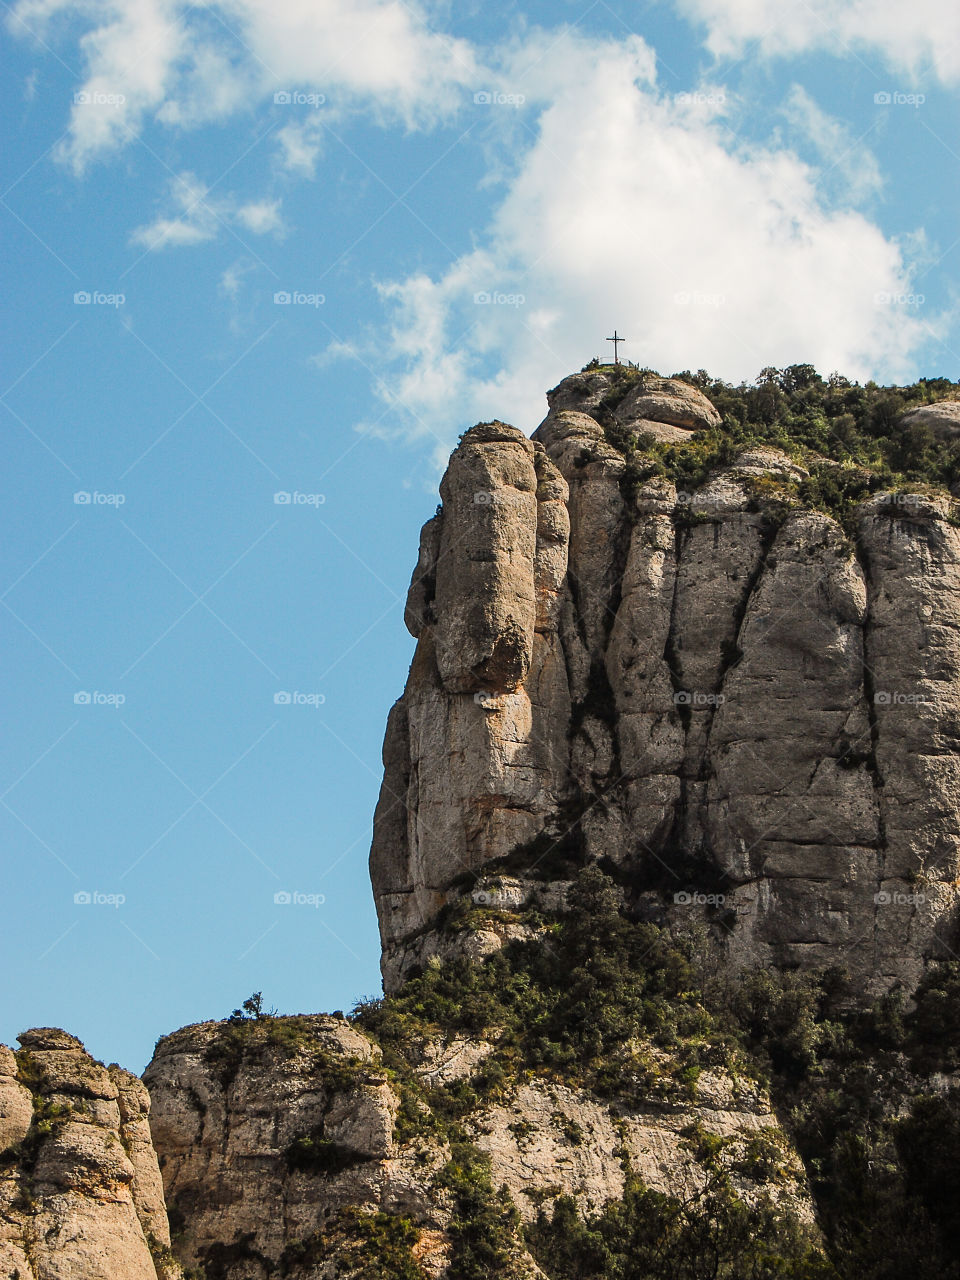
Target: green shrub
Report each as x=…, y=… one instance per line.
x=848, y=436
x=646, y=1235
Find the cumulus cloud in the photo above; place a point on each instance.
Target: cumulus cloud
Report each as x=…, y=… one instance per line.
x=621, y=205
x=912, y=38
x=194, y=216
x=184, y=65
x=639, y=211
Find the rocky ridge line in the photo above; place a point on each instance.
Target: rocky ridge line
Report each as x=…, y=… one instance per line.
x=719, y=701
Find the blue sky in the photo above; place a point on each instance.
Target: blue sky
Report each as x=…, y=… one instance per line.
x=460, y=203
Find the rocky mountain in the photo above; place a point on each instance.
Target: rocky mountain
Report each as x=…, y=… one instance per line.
x=718, y=691
x=665, y=862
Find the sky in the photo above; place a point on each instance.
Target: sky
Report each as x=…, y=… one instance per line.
x=263, y=263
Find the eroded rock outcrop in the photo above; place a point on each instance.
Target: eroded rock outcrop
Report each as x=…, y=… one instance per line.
x=942, y=419
x=717, y=690
x=80, y=1190
x=280, y=1139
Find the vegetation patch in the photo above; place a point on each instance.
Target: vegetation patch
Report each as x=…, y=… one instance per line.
x=711, y=1235
x=366, y=1246
x=620, y=1007
x=313, y=1153
x=846, y=435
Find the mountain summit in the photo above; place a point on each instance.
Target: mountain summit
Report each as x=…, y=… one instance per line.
x=725, y=669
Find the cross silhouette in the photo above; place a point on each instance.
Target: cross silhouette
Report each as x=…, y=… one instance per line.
x=616, y=340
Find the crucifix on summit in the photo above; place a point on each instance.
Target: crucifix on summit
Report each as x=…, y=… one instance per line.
x=616, y=340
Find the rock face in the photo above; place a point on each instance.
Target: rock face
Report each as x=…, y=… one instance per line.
x=729, y=705
x=273, y=1145
x=80, y=1190
x=942, y=419
x=262, y=1148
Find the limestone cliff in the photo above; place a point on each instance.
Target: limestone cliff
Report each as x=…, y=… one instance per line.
x=80, y=1189
x=288, y=1144
x=744, y=707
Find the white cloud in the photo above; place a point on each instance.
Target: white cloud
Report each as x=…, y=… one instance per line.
x=184, y=64
x=913, y=38
x=638, y=211
x=231, y=282
x=196, y=217
x=845, y=156
x=130, y=50
x=261, y=216
x=300, y=144
x=191, y=220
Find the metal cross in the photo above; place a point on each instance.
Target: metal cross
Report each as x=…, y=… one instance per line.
x=616, y=340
